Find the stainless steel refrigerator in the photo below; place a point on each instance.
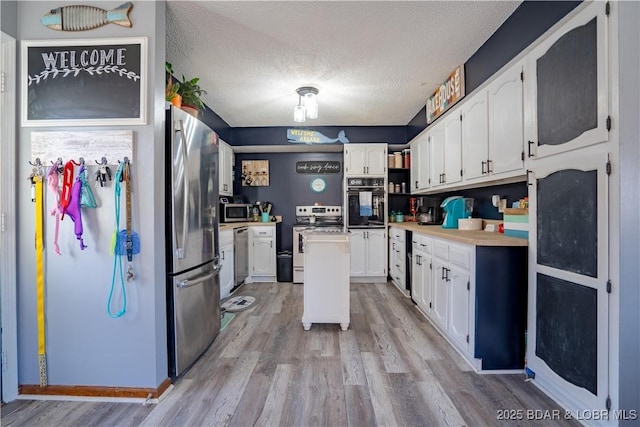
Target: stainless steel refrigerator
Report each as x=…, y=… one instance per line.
x=193, y=282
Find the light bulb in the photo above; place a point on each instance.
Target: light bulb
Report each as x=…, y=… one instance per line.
x=311, y=105
x=298, y=113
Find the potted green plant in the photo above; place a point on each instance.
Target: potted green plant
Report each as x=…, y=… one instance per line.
x=189, y=91
x=171, y=89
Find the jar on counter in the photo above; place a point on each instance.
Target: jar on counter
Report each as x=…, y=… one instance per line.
x=399, y=217
x=406, y=154
x=391, y=187
x=392, y=216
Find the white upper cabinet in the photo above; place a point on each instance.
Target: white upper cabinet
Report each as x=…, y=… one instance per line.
x=492, y=129
x=506, y=123
x=446, y=150
x=420, y=163
x=452, y=148
x=475, y=136
x=226, y=169
x=365, y=160
x=436, y=142
x=565, y=78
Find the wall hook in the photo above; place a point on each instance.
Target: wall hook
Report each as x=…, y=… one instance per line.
x=37, y=163
x=103, y=161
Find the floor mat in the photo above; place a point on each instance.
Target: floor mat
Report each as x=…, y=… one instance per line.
x=226, y=319
x=238, y=303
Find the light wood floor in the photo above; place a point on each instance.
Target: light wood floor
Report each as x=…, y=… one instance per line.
x=391, y=368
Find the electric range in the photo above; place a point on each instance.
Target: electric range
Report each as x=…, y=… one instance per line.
x=312, y=218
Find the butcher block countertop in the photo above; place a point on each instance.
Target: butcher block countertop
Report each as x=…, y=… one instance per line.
x=477, y=238
x=234, y=225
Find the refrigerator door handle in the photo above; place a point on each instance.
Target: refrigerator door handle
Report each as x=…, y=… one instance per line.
x=180, y=249
x=199, y=279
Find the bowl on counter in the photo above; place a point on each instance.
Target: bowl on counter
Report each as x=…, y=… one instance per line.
x=470, y=224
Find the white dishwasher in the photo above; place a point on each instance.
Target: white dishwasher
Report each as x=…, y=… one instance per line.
x=326, y=278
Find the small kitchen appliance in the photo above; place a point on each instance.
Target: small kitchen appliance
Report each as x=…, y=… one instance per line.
x=429, y=211
x=234, y=212
x=365, y=203
x=456, y=207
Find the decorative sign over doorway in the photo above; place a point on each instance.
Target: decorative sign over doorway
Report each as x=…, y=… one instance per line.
x=302, y=136
x=449, y=92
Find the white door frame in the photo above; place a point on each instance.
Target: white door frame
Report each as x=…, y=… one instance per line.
x=8, y=223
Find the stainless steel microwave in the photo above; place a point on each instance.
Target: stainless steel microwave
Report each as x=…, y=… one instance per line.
x=235, y=212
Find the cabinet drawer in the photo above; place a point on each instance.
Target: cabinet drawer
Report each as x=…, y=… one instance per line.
x=226, y=238
x=397, y=234
x=459, y=256
x=441, y=250
x=262, y=231
x=421, y=243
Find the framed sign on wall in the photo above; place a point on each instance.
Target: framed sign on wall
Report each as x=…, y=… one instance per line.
x=84, y=82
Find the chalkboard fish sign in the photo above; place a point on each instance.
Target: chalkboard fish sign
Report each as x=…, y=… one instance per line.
x=299, y=136
x=82, y=17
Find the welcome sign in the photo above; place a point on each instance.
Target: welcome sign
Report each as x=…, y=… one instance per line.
x=304, y=136
x=449, y=92
x=84, y=82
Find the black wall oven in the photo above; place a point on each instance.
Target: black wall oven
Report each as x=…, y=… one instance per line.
x=365, y=203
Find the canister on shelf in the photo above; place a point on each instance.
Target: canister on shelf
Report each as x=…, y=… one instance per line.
x=398, y=157
x=392, y=160
x=391, y=187
x=397, y=188
x=406, y=154
x=404, y=187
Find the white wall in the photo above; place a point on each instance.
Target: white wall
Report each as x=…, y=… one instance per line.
x=629, y=368
x=84, y=345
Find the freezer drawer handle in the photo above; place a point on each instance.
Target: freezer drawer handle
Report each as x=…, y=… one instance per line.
x=192, y=282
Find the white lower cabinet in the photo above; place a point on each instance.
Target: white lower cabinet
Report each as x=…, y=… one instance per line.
x=397, y=261
x=475, y=296
x=458, y=311
x=440, y=294
x=226, y=259
x=421, y=276
x=368, y=253
x=441, y=284
x=262, y=254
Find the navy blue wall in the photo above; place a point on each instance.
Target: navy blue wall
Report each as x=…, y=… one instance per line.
x=355, y=134
x=528, y=22
x=482, y=206
x=216, y=123
x=287, y=188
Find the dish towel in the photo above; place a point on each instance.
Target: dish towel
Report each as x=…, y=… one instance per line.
x=365, y=203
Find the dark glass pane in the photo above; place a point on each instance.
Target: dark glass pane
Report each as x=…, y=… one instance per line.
x=567, y=221
x=568, y=87
x=566, y=330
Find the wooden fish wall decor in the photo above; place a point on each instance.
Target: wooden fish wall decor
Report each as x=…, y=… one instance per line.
x=82, y=17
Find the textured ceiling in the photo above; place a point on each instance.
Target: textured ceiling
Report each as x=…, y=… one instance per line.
x=374, y=63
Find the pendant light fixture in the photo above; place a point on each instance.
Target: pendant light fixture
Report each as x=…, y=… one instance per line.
x=307, y=107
